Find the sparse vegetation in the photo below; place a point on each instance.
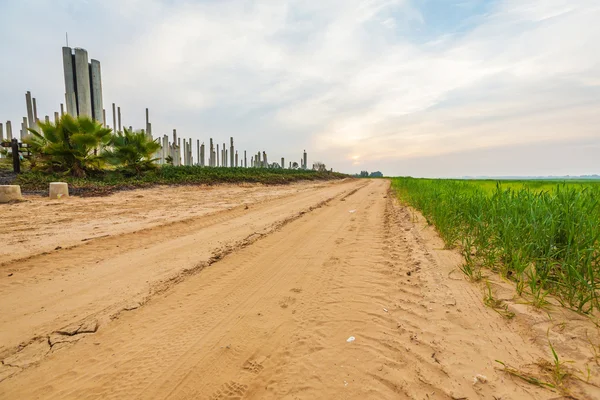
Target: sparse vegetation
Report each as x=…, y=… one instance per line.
x=103, y=182
x=545, y=237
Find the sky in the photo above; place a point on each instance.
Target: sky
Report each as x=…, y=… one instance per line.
x=425, y=88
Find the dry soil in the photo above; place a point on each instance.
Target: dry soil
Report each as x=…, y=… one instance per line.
x=308, y=291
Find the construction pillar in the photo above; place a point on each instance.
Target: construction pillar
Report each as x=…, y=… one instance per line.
x=9, y=134
x=104, y=117
x=119, y=114
x=1, y=132
x=62, y=109
x=245, y=160
x=231, y=153
x=218, y=156
x=69, y=72
x=96, y=92
x=35, y=117
x=82, y=77
x=114, y=117
x=29, y=105
x=236, y=159
x=265, y=162
x=282, y=163
x=304, y=159
x=56, y=117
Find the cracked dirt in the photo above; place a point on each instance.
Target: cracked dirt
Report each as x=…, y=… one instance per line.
x=259, y=299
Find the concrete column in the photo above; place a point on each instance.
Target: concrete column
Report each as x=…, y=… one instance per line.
x=24, y=128
x=202, y=151
x=104, y=117
x=224, y=159
x=119, y=115
x=35, y=116
x=148, y=128
x=82, y=83
x=290, y=165
x=130, y=128
x=47, y=119
x=56, y=117
x=225, y=164
x=231, y=153
x=218, y=156
x=165, y=149
x=252, y=162
x=257, y=160
x=211, y=155
x=245, y=160
x=96, y=92
x=69, y=73
x=9, y=135
x=304, y=159
x=236, y=159
x=62, y=109
x=1, y=132
x=282, y=163
x=114, y=117
x=29, y=105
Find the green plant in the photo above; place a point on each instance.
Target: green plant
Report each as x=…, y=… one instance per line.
x=543, y=236
x=131, y=151
x=68, y=146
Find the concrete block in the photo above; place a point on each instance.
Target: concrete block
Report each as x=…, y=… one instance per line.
x=10, y=193
x=59, y=190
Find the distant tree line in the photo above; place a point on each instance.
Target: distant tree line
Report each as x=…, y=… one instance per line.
x=366, y=174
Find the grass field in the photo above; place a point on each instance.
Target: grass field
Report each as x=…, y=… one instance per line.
x=109, y=181
x=542, y=235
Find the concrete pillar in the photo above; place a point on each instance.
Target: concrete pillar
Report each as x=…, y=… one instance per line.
x=202, y=154
x=218, y=164
x=24, y=131
x=56, y=117
x=9, y=135
x=211, y=155
x=104, y=117
x=1, y=132
x=226, y=159
x=35, y=116
x=290, y=165
x=47, y=119
x=69, y=73
x=114, y=117
x=252, y=162
x=82, y=83
x=62, y=109
x=236, y=159
x=148, y=128
x=245, y=160
x=282, y=163
x=231, y=153
x=265, y=162
x=29, y=105
x=119, y=114
x=130, y=128
x=304, y=159
x=96, y=92
x=257, y=160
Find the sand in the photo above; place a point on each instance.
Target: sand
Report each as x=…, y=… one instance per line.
x=255, y=292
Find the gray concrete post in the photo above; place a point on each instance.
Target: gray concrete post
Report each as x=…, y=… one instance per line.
x=104, y=117
x=282, y=163
x=265, y=162
x=218, y=156
x=9, y=134
x=96, y=92
x=82, y=81
x=1, y=132
x=119, y=116
x=304, y=158
x=226, y=158
x=114, y=117
x=148, y=129
x=236, y=159
x=202, y=151
x=231, y=153
x=69, y=73
x=24, y=130
x=47, y=119
x=56, y=117
x=29, y=108
x=62, y=109
x=35, y=116
x=245, y=160
x=252, y=162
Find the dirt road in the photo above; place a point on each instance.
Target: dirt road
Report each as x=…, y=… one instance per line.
x=318, y=291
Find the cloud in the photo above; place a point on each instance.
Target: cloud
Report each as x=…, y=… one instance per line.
x=355, y=82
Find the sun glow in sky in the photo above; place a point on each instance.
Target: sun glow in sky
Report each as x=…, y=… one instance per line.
x=415, y=87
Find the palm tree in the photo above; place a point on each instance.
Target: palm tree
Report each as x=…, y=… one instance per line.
x=69, y=145
x=132, y=151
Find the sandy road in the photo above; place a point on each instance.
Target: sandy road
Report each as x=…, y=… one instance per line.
x=272, y=318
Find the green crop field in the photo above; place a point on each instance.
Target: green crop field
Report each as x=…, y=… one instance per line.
x=542, y=235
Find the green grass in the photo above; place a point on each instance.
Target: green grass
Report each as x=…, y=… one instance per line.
x=544, y=236
x=106, y=182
